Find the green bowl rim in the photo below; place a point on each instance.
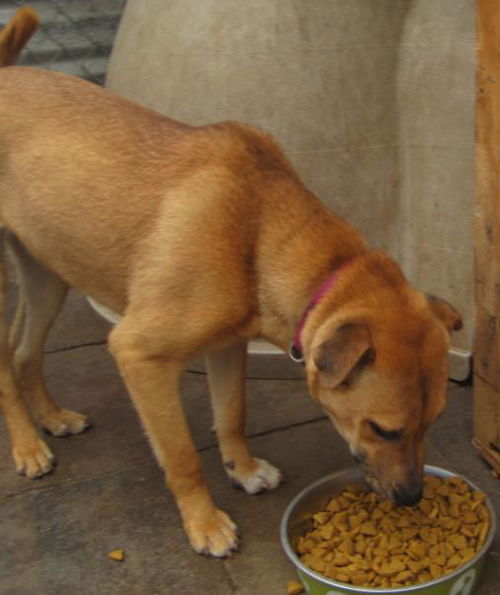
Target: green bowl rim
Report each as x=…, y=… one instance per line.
x=354, y=589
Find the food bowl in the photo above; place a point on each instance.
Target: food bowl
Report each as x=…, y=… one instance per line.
x=297, y=521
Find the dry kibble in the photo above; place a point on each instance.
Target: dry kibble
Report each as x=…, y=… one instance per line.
x=468, y=531
x=458, y=542
x=440, y=560
x=435, y=570
x=417, y=550
x=347, y=546
x=343, y=577
x=320, y=518
x=316, y=564
x=366, y=541
x=390, y=568
x=468, y=553
x=394, y=543
x=359, y=578
x=469, y=517
x=117, y=555
x=414, y=565
x=442, y=489
x=483, y=533
x=327, y=532
x=294, y=588
x=333, y=506
x=408, y=532
x=403, y=576
x=368, y=528
x=387, y=525
x=340, y=559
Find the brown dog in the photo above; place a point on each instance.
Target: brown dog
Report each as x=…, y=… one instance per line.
x=201, y=238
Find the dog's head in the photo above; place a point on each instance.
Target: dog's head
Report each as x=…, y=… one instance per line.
x=377, y=362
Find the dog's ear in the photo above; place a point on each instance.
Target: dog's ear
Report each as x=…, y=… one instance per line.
x=445, y=312
x=341, y=355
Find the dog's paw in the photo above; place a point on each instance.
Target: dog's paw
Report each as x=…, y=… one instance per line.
x=264, y=476
x=63, y=423
x=34, y=459
x=213, y=536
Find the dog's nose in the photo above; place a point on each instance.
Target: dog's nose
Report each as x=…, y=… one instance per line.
x=408, y=496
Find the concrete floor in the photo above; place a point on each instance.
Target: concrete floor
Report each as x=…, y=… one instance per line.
x=107, y=491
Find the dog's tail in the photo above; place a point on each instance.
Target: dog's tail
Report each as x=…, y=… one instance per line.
x=15, y=35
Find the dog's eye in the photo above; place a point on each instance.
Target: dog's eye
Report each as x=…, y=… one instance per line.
x=391, y=435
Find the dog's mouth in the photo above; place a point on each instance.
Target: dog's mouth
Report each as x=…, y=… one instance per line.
x=371, y=479
x=374, y=483
x=401, y=495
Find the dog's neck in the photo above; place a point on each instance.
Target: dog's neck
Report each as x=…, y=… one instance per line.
x=298, y=265
x=296, y=351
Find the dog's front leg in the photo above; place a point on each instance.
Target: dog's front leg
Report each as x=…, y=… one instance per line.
x=153, y=384
x=226, y=374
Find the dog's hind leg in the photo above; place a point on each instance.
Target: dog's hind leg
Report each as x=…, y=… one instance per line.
x=16, y=327
x=41, y=296
x=31, y=455
x=226, y=374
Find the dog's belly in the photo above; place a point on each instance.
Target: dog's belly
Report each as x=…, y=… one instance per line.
x=93, y=264
x=109, y=315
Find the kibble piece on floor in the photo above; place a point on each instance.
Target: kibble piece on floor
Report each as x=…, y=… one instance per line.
x=294, y=588
x=117, y=555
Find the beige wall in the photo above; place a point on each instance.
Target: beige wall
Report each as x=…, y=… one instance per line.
x=436, y=75
x=372, y=100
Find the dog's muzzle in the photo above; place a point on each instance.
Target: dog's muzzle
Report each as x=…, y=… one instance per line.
x=408, y=496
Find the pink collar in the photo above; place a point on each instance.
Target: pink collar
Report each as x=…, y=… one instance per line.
x=295, y=350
